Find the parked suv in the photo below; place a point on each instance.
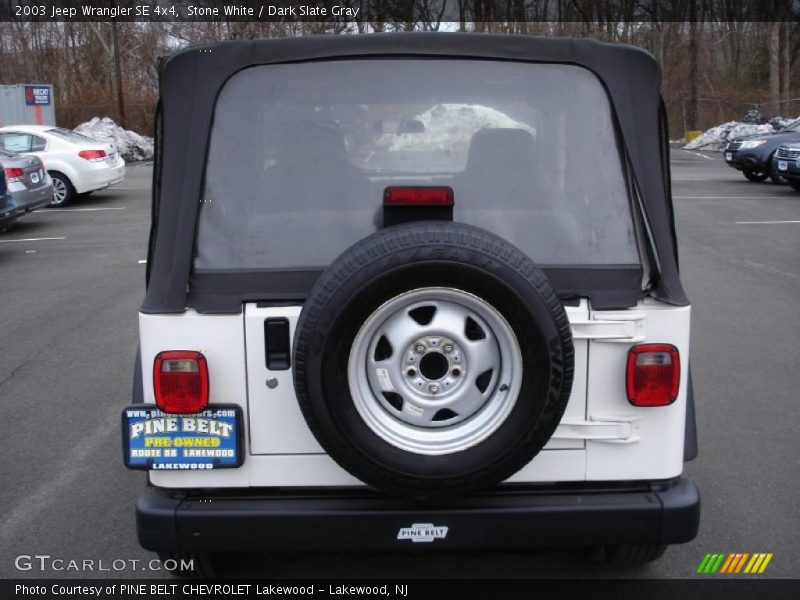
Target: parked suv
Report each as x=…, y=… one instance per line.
x=363, y=334
x=786, y=161
x=752, y=155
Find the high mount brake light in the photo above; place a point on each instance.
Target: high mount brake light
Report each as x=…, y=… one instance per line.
x=180, y=381
x=93, y=155
x=653, y=374
x=418, y=196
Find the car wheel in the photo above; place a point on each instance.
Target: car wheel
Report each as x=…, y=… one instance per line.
x=631, y=555
x=63, y=190
x=795, y=184
x=433, y=359
x=756, y=176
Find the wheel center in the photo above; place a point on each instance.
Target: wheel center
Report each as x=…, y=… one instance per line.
x=434, y=366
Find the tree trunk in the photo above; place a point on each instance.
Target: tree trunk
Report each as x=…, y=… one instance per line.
x=691, y=112
x=786, y=61
x=774, y=46
x=118, y=77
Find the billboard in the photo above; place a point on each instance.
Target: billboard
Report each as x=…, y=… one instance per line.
x=37, y=94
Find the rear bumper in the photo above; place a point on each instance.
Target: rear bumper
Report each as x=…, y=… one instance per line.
x=100, y=176
x=513, y=518
x=9, y=214
x=31, y=199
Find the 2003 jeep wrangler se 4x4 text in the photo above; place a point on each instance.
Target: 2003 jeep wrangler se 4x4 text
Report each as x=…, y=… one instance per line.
x=412, y=291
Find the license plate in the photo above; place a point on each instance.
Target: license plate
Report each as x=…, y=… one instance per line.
x=35, y=177
x=157, y=441
x=729, y=156
x=782, y=165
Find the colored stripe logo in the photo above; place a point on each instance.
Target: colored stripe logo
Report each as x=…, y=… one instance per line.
x=734, y=563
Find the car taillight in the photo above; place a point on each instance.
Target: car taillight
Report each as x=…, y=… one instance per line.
x=92, y=154
x=14, y=174
x=180, y=380
x=418, y=196
x=653, y=374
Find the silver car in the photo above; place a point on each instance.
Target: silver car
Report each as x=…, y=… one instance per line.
x=27, y=179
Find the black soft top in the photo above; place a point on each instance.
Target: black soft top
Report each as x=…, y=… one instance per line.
x=191, y=80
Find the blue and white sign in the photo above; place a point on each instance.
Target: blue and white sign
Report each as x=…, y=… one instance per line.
x=158, y=441
x=37, y=95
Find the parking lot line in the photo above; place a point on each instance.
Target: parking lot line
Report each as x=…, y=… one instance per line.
x=701, y=155
x=763, y=222
x=85, y=209
x=32, y=240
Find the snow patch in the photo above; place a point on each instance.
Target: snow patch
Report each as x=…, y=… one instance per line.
x=450, y=126
x=717, y=137
x=130, y=144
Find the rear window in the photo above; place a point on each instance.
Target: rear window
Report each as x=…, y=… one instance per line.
x=22, y=142
x=300, y=155
x=70, y=136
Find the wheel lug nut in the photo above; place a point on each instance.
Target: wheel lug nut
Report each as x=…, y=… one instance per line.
x=433, y=388
x=419, y=348
x=448, y=348
x=411, y=372
x=456, y=372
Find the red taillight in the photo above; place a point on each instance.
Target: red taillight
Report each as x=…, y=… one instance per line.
x=418, y=196
x=14, y=174
x=653, y=375
x=92, y=154
x=180, y=380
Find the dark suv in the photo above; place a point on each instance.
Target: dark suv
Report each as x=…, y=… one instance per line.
x=786, y=161
x=752, y=154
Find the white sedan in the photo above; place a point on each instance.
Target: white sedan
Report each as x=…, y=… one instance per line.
x=77, y=164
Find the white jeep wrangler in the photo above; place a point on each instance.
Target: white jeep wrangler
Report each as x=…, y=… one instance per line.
x=427, y=281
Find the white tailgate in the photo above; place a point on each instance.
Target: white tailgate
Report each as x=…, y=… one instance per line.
x=276, y=423
x=607, y=440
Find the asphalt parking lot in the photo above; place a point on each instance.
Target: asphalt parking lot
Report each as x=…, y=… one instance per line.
x=72, y=281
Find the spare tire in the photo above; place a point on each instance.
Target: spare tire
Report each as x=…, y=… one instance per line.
x=433, y=358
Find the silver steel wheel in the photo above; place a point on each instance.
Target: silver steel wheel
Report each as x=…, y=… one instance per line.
x=59, y=191
x=435, y=371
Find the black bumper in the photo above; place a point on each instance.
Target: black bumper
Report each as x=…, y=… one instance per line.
x=511, y=518
x=792, y=171
x=8, y=216
x=751, y=162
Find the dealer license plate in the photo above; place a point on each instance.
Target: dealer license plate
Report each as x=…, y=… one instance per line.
x=35, y=177
x=782, y=165
x=729, y=156
x=157, y=441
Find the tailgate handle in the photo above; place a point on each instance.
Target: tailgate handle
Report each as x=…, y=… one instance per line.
x=629, y=328
x=276, y=343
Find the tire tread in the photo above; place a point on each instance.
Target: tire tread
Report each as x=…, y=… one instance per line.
x=417, y=240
